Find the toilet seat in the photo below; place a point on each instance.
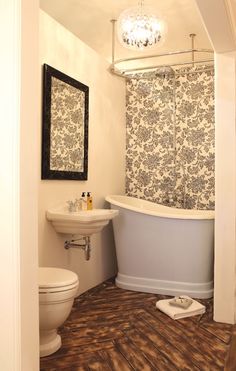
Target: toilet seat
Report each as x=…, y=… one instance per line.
x=56, y=280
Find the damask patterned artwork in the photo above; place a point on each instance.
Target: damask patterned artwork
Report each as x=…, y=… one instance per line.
x=170, y=138
x=65, y=127
x=67, y=123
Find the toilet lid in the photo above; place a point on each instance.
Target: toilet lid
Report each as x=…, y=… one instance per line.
x=50, y=277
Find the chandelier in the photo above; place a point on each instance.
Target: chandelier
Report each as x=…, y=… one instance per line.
x=139, y=28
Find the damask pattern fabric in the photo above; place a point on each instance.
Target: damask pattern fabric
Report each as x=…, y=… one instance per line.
x=170, y=138
x=67, y=127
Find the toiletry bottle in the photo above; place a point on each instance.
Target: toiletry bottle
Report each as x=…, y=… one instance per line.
x=83, y=201
x=89, y=201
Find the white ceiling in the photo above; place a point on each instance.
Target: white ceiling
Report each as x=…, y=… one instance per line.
x=90, y=21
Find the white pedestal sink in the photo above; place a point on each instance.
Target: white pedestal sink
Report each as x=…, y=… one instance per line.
x=84, y=223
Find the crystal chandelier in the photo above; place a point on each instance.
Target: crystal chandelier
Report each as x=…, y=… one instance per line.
x=139, y=28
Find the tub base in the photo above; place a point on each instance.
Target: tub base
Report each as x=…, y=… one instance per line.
x=172, y=288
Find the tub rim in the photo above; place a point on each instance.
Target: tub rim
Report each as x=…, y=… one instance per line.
x=153, y=209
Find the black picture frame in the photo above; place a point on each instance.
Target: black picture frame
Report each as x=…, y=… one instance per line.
x=51, y=78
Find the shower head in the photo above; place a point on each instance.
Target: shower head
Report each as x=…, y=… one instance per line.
x=164, y=71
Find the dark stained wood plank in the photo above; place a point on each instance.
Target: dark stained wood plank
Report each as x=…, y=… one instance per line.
x=116, y=360
x=99, y=366
x=157, y=360
x=88, y=335
x=111, y=329
x=74, y=349
x=101, y=324
x=133, y=355
x=217, y=329
x=198, y=335
x=200, y=353
x=183, y=343
x=220, y=330
x=170, y=351
x=93, y=319
x=129, y=298
x=111, y=306
x=69, y=362
x=230, y=363
x=71, y=368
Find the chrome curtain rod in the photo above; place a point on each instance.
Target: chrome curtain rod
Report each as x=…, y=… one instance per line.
x=164, y=65
x=176, y=74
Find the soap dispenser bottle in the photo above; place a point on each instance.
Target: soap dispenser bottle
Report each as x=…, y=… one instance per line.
x=83, y=201
x=89, y=201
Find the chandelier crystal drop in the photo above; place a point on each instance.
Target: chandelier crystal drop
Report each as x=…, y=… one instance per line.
x=139, y=28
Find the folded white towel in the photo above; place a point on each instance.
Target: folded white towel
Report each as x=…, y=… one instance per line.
x=177, y=313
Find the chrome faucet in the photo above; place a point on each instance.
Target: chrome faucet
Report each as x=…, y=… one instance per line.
x=74, y=205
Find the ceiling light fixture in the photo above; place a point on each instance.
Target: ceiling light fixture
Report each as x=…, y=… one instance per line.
x=139, y=28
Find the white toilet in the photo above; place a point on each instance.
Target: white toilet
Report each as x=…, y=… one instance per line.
x=57, y=290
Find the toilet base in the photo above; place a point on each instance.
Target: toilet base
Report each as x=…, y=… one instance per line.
x=50, y=342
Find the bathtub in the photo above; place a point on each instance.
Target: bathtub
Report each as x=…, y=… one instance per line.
x=163, y=250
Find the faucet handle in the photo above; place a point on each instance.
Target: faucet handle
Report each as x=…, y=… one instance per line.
x=71, y=206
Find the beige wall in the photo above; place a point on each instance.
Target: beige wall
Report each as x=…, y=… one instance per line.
x=10, y=337
x=19, y=108
x=29, y=147
x=106, y=164
x=223, y=40
x=225, y=211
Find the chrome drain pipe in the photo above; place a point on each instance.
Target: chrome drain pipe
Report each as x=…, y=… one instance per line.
x=84, y=246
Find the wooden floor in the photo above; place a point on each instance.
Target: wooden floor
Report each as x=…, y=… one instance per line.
x=114, y=329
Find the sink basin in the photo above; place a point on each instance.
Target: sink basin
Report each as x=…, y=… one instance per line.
x=84, y=223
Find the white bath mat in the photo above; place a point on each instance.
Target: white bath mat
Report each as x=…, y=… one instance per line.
x=176, y=312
